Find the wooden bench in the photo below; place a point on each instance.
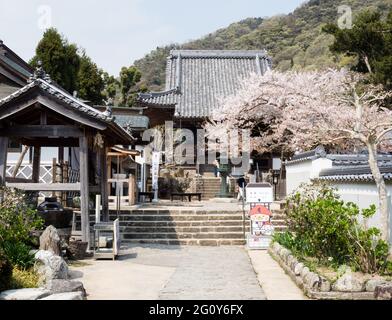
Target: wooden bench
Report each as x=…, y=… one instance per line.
x=186, y=194
x=150, y=195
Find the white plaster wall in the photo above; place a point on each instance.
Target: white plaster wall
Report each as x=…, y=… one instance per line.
x=303, y=172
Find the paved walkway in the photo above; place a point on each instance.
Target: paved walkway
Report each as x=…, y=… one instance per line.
x=276, y=283
x=172, y=272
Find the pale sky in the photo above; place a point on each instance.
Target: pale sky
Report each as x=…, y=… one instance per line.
x=117, y=32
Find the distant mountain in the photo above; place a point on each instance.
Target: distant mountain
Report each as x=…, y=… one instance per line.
x=294, y=41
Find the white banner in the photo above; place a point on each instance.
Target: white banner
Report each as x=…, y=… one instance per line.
x=155, y=169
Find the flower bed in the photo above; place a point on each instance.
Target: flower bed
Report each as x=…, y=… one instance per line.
x=317, y=286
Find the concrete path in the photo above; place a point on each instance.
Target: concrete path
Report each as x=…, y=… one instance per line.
x=276, y=284
x=171, y=272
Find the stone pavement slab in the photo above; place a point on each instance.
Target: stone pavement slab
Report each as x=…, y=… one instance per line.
x=213, y=273
x=171, y=272
x=276, y=284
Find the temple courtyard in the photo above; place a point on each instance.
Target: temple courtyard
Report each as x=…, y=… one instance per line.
x=148, y=271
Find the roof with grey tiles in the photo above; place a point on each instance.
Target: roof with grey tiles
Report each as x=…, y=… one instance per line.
x=196, y=80
x=354, y=173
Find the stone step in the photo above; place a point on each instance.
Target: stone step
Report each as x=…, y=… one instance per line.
x=174, y=235
x=179, y=230
x=194, y=217
x=127, y=213
x=202, y=223
x=188, y=242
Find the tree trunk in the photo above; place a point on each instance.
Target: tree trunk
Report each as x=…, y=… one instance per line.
x=382, y=191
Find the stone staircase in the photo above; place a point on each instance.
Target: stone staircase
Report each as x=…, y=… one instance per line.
x=209, y=187
x=188, y=227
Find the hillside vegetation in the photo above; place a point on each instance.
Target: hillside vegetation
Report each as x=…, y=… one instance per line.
x=294, y=41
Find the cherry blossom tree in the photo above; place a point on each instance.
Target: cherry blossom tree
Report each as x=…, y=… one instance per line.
x=299, y=110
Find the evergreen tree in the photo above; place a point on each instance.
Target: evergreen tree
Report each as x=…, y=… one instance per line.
x=90, y=82
x=59, y=59
x=129, y=77
x=370, y=41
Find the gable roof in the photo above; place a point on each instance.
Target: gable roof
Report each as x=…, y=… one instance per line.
x=93, y=117
x=12, y=66
x=196, y=80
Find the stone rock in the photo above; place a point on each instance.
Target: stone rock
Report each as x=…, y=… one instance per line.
x=289, y=260
x=324, y=285
x=373, y=283
x=348, y=282
x=65, y=296
x=304, y=272
x=276, y=247
x=293, y=263
x=298, y=268
x=50, y=266
x=312, y=280
x=383, y=291
x=284, y=254
x=50, y=241
x=24, y=294
x=62, y=286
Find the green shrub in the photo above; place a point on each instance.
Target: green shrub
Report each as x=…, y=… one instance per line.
x=5, y=272
x=22, y=278
x=17, y=219
x=325, y=227
x=19, y=254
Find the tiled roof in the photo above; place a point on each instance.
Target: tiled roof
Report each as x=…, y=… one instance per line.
x=314, y=154
x=197, y=79
x=61, y=95
x=353, y=173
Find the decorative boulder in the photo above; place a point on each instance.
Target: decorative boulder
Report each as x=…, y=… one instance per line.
x=349, y=283
x=24, y=294
x=50, y=266
x=324, y=285
x=373, y=283
x=50, y=241
x=65, y=296
x=304, y=272
x=312, y=280
x=298, y=268
x=383, y=292
x=62, y=286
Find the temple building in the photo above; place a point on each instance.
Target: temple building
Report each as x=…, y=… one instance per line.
x=196, y=82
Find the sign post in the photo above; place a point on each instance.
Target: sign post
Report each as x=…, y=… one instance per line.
x=260, y=196
x=155, y=173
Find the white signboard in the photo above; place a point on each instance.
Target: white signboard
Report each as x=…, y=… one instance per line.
x=258, y=242
x=259, y=193
x=155, y=169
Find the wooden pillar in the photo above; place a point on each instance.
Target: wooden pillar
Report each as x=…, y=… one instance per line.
x=3, y=159
x=131, y=189
x=54, y=174
x=36, y=163
x=104, y=184
x=84, y=189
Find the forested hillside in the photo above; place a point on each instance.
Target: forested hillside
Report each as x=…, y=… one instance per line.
x=295, y=41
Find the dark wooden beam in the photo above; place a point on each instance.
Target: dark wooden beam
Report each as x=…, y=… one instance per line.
x=3, y=159
x=44, y=186
x=36, y=163
x=51, y=142
x=33, y=131
x=84, y=189
x=43, y=118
